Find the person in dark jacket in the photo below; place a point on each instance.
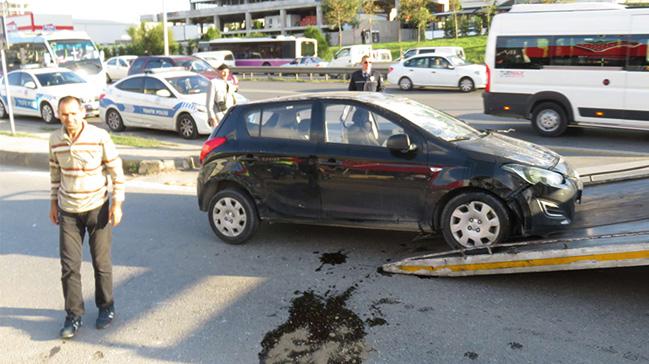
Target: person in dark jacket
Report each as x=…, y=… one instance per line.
x=365, y=79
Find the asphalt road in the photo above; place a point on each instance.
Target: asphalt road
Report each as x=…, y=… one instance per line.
x=300, y=291
x=582, y=147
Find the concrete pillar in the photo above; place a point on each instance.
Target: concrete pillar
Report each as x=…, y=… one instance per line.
x=248, y=23
x=282, y=21
x=217, y=22
x=188, y=21
x=318, y=15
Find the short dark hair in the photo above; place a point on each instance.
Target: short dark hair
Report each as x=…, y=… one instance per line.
x=70, y=98
x=223, y=66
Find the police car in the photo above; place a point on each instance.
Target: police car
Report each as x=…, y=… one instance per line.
x=159, y=99
x=36, y=92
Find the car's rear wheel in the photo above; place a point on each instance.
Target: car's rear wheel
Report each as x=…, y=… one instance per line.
x=114, y=120
x=475, y=220
x=466, y=85
x=3, y=111
x=187, y=127
x=549, y=119
x=405, y=84
x=47, y=113
x=233, y=216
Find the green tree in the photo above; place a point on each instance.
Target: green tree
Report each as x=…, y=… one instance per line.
x=150, y=40
x=416, y=12
x=339, y=12
x=369, y=8
x=455, y=6
x=323, y=45
x=465, y=25
x=478, y=24
x=490, y=12
x=211, y=33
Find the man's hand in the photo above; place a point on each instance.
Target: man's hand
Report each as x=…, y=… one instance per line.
x=211, y=122
x=115, y=213
x=54, y=212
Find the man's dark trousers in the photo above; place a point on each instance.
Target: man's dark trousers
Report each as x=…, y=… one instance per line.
x=72, y=229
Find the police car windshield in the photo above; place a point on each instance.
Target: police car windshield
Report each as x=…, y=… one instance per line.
x=189, y=85
x=58, y=78
x=437, y=123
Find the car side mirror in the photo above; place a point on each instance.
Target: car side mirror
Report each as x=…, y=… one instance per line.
x=163, y=93
x=400, y=143
x=30, y=84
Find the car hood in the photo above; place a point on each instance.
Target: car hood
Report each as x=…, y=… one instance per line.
x=83, y=90
x=471, y=67
x=512, y=150
x=201, y=98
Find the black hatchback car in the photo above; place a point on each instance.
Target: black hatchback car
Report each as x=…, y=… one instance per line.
x=378, y=161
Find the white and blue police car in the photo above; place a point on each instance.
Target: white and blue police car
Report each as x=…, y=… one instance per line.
x=159, y=99
x=36, y=92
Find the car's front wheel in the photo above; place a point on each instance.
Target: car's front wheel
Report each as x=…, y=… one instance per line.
x=475, y=220
x=47, y=113
x=405, y=84
x=3, y=111
x=187, y=127
x=114, y=120
x=233, y=216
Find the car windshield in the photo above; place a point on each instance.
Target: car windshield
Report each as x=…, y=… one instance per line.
x=437, y=123
x=196, y=65
x=189, y=85
x=456, y=61
x=58, y=78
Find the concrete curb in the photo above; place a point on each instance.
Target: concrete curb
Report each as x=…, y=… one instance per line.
x=132, y=165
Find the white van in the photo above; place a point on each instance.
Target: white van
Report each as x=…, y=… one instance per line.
x=439, y=51
x=350, y=56
x=217, y=58
x=570, y=64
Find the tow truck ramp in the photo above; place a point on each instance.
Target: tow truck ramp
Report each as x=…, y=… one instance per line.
x=621, y=249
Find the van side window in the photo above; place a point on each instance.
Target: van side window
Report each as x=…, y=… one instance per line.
x=589, y=50
x=522, y=52
x=638, y=59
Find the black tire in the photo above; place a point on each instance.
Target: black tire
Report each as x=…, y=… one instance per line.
x=47, y=113
x=3, y=111
x=475, y=219
x=549, y=119
x=108, y=79
x=186, y=126
x=114, y=120
x=466, y=84
x=406, y=84
x=233, y=216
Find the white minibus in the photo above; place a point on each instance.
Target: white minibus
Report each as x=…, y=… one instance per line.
x=558, y=65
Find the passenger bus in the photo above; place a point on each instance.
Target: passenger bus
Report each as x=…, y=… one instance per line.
x=68, y=49
x=263, y=51
x=582, y=64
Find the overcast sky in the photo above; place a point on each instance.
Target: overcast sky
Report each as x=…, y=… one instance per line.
x=125, y=11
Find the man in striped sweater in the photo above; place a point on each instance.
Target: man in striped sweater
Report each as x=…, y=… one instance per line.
x=81, y=157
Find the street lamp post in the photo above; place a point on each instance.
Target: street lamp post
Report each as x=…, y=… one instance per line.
x=164, y=27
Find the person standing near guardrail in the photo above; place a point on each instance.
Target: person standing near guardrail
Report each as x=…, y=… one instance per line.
x=220, y=96
x=80, y=158
x=366, y=79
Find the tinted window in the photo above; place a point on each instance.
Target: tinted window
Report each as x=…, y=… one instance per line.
x=159, y=63
x=15, y=79
x=151, y=85
x=522, y=52
x=112, y=62
x=409, y=54
x=132, y=85
x=420, y=62
x=638, y=53
x=137, y=66
x=123, y=63
x=356, y=125
x=589, y=50
x=282, y=122
x=228, y=57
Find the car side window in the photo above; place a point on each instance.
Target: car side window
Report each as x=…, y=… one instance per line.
x=152, y=85
x=420, y=62
x=15, y=79
x=292, y=122
x=438, y=63
x=135, y=84
x=154, y=63
x=409, y=54
x=26, y=78
x=123, y=63
x=137, y=66
x=357, y=125
x=111, y=62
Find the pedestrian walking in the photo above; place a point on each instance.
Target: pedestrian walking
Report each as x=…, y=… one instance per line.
x=366, y=79
x=220, y=96
x=81, y=156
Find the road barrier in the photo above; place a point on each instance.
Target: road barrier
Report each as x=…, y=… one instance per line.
x=309, y=73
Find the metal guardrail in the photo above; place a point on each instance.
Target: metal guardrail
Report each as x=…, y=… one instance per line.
x=307, y=72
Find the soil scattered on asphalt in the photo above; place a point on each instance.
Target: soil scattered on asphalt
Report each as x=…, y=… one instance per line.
x=376, y=321
x=54, y=351
x=471, y=355
x=515, y=346
x=320, y=329
x=332, y=259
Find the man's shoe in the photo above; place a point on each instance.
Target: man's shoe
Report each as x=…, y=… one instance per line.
x=106, y=316
x=70, y=327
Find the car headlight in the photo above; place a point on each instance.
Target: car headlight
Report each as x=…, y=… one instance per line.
x=534, y=175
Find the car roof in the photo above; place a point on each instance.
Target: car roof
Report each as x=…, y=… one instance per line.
x=166, y=74
x=367, y=97
x=41, y=70
x=174, y=57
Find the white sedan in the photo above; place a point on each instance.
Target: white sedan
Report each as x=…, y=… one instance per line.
x=117, y=67
x=161, y=99
x=36, y=92
x=439, y=71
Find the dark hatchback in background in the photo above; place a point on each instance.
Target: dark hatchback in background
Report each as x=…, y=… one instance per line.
x=378, y=161
x=190, y=63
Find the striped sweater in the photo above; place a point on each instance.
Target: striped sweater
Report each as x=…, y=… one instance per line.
x=79, y=169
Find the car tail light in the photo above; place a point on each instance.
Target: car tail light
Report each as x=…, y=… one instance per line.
x=488, y=87
x=210, y=145
x=390, y=69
